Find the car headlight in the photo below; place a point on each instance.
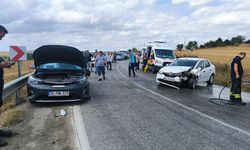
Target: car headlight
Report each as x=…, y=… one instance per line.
x=81, y=80
x=160, y=71
x=33, y=80
x=158, y=61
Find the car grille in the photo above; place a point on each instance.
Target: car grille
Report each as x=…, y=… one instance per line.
x=170, y=74
x=168, y=82
x=45, y=97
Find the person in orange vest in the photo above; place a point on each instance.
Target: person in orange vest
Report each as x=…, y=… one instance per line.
x=3, y=64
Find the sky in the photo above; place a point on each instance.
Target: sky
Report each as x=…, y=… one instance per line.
x=119, y=24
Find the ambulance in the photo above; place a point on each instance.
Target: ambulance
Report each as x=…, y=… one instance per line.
x=156, y=55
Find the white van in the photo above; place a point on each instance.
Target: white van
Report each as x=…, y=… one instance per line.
x=158, y=53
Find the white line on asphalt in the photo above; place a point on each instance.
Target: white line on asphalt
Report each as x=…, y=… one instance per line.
x=186, y=107
x=81, y=133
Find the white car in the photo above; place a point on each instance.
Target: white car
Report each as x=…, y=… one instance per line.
x=186, y=71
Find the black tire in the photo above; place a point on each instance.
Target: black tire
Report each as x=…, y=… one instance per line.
x=86, y=95
x=211, y=80
x=192, y=83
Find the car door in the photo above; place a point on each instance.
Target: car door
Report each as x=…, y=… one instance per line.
x=207, y=70
x=201, y=74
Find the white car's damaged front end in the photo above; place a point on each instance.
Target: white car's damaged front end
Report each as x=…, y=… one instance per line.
x=177, y=76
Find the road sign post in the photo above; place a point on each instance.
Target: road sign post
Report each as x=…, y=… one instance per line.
x=18, y=53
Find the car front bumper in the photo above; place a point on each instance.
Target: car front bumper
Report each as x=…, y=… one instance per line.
x=171, y=81
x=40, y=93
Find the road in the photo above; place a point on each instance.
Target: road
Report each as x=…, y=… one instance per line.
x=137, y=114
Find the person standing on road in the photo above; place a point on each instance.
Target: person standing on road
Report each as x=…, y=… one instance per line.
x=90, y=56
x=100, y=65
x=132, y=62
x=114, y=57
x=3, y=64
x=137, y=60
x=95, y=55
x=109, y=61
x=236, y=77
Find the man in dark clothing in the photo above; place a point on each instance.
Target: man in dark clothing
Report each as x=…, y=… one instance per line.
x=90, y=56
x=236, y=77
x=3, y=64
x=114, y=57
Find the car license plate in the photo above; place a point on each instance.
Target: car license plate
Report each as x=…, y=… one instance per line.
x=58, y=93
x=169, y=79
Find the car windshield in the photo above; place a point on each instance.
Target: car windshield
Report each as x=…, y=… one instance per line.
x=164, y=53
x=184, y=62
x=120, y=54
x=60, y=66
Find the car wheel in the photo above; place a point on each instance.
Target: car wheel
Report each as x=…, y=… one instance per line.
x=192, y=83
x=211, y=80
x=86, y=96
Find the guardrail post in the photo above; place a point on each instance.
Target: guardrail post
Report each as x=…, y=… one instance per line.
x=18, y=91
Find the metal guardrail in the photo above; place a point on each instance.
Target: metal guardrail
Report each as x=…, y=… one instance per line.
x=14, y=85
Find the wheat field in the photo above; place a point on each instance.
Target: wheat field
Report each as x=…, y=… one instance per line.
x=221, y=55
x=12, y=73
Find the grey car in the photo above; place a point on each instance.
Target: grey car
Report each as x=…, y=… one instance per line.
x=59, y=76
x=120, y=56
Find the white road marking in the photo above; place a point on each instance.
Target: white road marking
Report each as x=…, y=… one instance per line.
x=81, y=134
x=186, y=107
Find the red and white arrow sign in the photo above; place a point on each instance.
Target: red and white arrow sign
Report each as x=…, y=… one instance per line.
x=17, y=53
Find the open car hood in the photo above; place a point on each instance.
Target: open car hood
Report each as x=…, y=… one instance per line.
x=174, y=69
x=58, y=54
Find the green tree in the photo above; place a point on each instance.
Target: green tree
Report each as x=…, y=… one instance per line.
x=202, y=46
x=237, y=40
x=192, y=45
x=179, y=47
x=210, y=44
x=248, y=41
x=219, y=42
x=227, y=42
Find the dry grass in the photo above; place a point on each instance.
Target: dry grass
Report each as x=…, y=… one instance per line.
x=8, y=112
x=221, y=57
x=12, y=73
x=10, y=117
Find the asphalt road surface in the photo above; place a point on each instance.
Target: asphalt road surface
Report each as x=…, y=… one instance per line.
x=135, y=113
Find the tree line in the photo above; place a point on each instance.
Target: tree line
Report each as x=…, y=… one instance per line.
x=235, y=41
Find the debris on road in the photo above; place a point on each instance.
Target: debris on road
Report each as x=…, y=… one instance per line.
x=61, y=113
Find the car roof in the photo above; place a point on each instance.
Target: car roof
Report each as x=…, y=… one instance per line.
x=192, y=58
x=163, y=48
